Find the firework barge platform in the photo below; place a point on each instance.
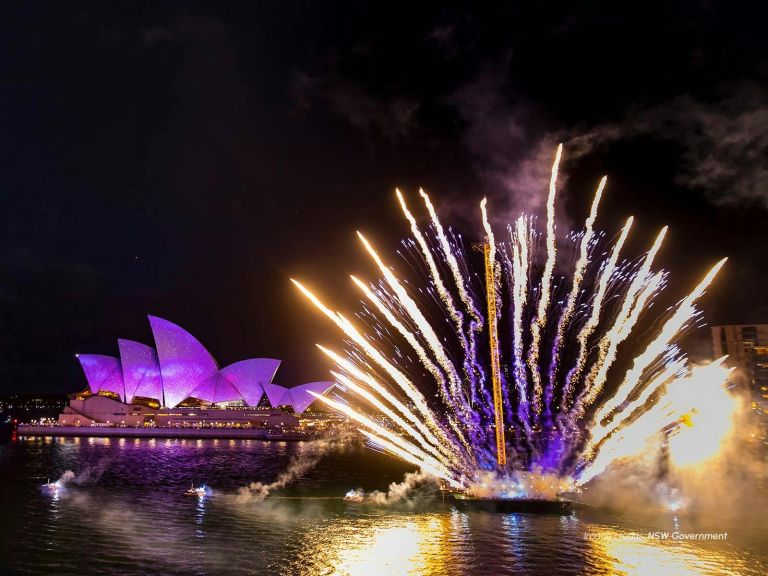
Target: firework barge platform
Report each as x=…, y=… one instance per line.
x=507, y=505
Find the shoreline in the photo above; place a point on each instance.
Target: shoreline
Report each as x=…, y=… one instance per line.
x=26, y=430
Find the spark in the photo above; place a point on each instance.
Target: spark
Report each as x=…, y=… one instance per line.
x=452, y=262
x=546, y=285
x=596, y=309
x=416, y=369
x=578, y=277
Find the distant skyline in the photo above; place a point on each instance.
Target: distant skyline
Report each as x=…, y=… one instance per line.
x=186, y=159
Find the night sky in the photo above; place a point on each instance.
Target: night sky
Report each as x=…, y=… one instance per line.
x=185, y=159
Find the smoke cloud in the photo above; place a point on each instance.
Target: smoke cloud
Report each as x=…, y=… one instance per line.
x=723, y=143
x=728, y=487
x=509, y=155
x=399, y=491
x=89, y=475
x=307, y=458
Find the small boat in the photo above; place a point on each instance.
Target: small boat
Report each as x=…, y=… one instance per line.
x=52, y=486
x=354, y=496
x=199, y=491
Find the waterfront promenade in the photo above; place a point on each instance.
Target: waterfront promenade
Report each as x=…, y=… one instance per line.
x=162, y=432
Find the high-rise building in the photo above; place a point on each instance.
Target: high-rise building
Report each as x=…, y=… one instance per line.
x=747, y=348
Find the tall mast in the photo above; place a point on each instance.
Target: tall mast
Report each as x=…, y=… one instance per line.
x=498, y=408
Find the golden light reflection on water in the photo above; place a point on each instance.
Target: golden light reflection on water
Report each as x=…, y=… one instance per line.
x=457, y=543
x=630, y=554
x=396, y=545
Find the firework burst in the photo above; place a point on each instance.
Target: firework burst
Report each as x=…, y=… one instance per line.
x=548, y=388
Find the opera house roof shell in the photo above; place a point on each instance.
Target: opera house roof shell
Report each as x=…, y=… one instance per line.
x=182, y=368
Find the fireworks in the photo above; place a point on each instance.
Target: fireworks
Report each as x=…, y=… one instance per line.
x=416, y=374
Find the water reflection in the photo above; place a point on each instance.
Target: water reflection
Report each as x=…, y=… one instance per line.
x=137, y=520
x=200, y=516
x=632, y=553
x=396, y=545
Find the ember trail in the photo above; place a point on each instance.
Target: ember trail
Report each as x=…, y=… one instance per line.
x=503, y=382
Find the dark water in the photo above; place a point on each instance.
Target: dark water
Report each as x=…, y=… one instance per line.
x=129, y=516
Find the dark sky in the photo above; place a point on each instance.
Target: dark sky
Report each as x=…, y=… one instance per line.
x=185, y=159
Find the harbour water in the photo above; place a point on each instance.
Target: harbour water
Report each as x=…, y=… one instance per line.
x=126, y=513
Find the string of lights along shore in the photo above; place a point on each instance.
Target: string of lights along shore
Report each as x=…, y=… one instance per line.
x=504, y=380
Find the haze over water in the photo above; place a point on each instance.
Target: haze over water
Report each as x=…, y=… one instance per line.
x=130, y=516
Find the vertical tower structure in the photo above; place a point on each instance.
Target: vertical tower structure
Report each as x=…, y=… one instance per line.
x=493, y=337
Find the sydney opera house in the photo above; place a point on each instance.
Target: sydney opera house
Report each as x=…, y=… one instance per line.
x=179, y=383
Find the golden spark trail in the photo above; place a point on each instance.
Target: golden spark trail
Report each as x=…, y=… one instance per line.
x=445, y=296
x=407, y=334
x=630, y=440
x=594, y=318
x=546, y=284
x=400, y=453
x=452, y=263
x=407, y=386
x=371, y=399
x=520, y=238
x=642, y=284
x=391, y=436
x=454, y=381
x=471, y=368
x=402, y=381
x=371, y=382
x=671, y=328
x=598, y=432
x=578, y=276
x=489, y=235
x=682, y=396
x=598, y=376
x=412, y=340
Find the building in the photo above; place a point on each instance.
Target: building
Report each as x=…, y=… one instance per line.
x=179, y=383
x=103, y=410
x=747, y=348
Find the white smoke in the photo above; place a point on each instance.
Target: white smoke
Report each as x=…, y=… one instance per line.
x=66, y=478
x=307, y=458
x=89, y=475
x=510, y=142
x=728, y=486
x=399, y=491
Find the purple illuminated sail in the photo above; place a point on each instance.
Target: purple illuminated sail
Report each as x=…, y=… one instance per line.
x=182, y=368
x=216, y=389
x=300, y=397
x=250, y=376
x=103, y=373
x=277, y=395
x=184, y=362
x=141, y=371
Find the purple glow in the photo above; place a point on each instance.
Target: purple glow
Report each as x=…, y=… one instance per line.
x=141, y=371
x=184, y=362
x=216, y=389
x=300, y=397
x=183, y=368
x=250, y=377
x=277, y=395
x=103, y=373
